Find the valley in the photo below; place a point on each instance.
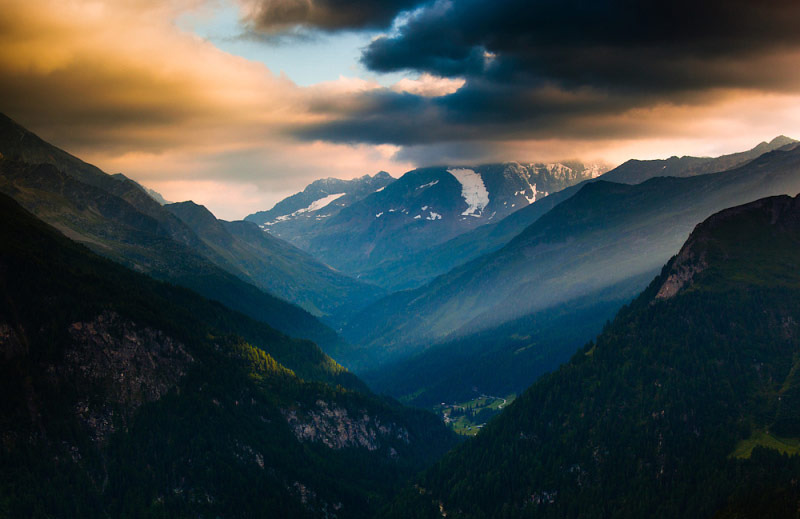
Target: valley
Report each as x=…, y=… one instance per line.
x=399, y=259
x=362, y=347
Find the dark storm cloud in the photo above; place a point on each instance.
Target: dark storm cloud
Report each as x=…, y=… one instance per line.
x=480, y=111
x=544, y=67
x=599, y=42
x=328, y=15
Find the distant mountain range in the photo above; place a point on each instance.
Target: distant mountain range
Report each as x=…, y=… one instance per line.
x=369, y=233
x=637, y=171
x=579, y=262
x=685, y=406
x=128, y=397
x=427, y=264
x=295, y=218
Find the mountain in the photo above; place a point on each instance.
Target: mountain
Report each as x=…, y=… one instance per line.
x=295, y=217
x=373, y=238
x=423, y=266
x=274, y=265
x=128, y=397
x=117, y=219
x=598, y=247
x=155, y=195
x=18, y=145
x=637, y=171
x=685, y=406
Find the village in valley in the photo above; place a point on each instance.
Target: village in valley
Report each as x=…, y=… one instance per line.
x=467, y=418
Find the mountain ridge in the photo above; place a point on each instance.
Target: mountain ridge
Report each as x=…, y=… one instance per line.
x=491, y=237
x=117, y=219
x=372, y=238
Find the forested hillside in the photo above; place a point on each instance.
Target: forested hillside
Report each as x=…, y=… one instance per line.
x=685, y=406
x=128, y=397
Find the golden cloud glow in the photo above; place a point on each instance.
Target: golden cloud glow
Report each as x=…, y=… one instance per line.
x=427, y=85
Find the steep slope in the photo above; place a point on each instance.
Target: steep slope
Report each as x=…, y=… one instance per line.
x=17, y=144
x=489, y=238
x=607, y=236
x=295, y=218
x=681, y=408
x=155, y=195
x=127, y=397
x=274, y=265
x=117, y=219
x=373, y=238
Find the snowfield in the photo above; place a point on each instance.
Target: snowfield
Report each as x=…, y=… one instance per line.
x=532, y=198
x=319, y=204
x=429, y=184
x=316, y=205
x=472, y=189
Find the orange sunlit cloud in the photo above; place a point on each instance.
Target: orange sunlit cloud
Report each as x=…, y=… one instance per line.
x=119, y=85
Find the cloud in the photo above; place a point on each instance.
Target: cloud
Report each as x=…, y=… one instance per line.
x=427, y=85
x=236, y=182
x=542, y=68
x=617, y=44
x=121, y=85
x=274, y=16
x=122, y=75
x=118, y=84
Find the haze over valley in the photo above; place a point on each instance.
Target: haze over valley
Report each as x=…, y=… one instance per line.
x=348, y=259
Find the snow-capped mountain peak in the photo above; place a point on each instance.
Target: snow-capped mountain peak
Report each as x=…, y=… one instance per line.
x=320, y=200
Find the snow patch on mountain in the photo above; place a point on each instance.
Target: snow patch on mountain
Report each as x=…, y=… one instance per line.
x=429, y=184
x=595, y=170
x=472, y=189
x=316, y=205
x=319, y=204
x=532, y=198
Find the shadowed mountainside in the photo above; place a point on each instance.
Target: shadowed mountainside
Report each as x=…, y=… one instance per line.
x=127, y=397
x=685, y=406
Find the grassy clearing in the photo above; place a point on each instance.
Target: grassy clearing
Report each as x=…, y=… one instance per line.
x=467, y=418
x=744, y=449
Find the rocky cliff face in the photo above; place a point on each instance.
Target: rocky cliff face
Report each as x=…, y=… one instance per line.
x=337, y=429
x=129, y=364
x=685, y=267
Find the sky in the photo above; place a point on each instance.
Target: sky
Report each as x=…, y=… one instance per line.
x=236, y=104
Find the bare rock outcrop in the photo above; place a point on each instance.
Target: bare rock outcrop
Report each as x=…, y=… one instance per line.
x=128, y=365
x=336, y=428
